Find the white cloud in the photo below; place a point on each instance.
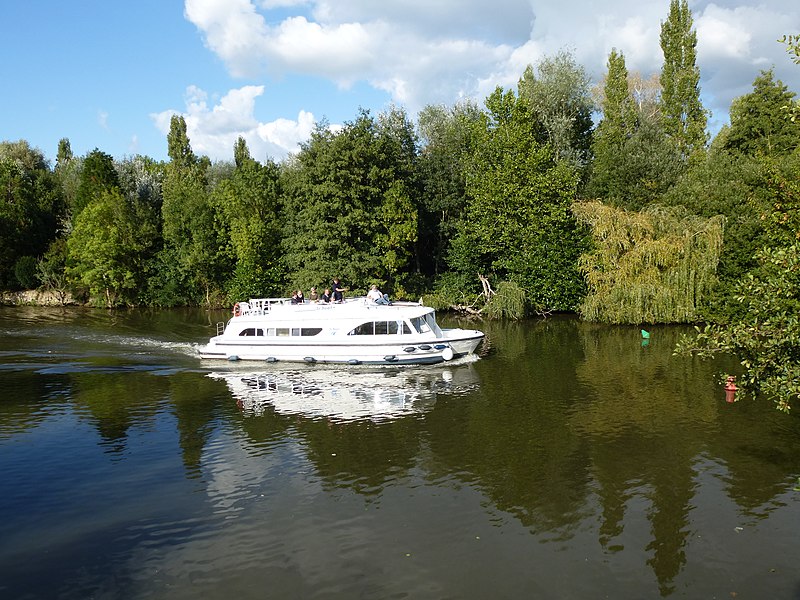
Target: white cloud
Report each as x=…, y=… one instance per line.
x=420, y=52
x=213, y=130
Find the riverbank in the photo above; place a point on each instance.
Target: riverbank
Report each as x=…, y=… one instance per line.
x=37, y=298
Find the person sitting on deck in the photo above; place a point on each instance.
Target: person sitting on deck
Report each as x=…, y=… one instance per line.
x=375, y=295
x=326, y=297
x=298, y=298
x=313, y=296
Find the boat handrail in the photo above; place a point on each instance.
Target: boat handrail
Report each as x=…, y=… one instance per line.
x=260, y=306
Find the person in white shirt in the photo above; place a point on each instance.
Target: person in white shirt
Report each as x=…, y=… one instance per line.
x=375, y=295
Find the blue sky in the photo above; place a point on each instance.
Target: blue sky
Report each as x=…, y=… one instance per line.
x=109, y=74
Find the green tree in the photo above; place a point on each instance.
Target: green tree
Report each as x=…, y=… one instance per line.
x=52, y=270
x=97, y=176
x=517, y=225
x=448, y=138
x=766, y=338
x=684, y=117
x=792, y=43
x=617, y=125
x=31, y=207
x=349, y=208
x=648, y=166
x=105, y=248
x=758, y=120
x=731, y=186
x=196, y=260
x=64, y=154
x=560, y=100
x=249, y=202
x=179, y=148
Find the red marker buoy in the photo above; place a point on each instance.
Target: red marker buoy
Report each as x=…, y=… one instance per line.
x=730, y=389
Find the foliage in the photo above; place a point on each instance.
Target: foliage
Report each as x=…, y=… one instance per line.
x=767, y=339
x=792, y=43
x=105, y=250
x=97, y=175
x=52, y=270
x=248, y=204
x=737, y=187
x=25, y=272
x=448, y=139
x=653, y=266
x=634, y=161
x=349, y=204
x=758, y=120
x=508, y=302
x=179, y=148
x=684, y=117
x=558, y=96
x=30, y=207
x=517, y=225
x=194, y=236
x=616, y=126
x=455, y=289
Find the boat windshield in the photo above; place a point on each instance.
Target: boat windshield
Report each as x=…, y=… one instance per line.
x=426, y=323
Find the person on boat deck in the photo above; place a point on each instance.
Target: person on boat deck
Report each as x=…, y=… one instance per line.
x=313, y=296
x=338, y=290
x=326, y=296
x=298, y=298
x=375, y=295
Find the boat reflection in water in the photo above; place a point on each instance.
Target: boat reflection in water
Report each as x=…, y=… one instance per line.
x=340, y=394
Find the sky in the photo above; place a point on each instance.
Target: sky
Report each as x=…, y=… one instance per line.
x=110, y=74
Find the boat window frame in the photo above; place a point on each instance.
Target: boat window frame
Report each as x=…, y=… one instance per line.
x=251, y=332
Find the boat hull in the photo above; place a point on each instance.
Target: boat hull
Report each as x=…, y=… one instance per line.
x=416, y=352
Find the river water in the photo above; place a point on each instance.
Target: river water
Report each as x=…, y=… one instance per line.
x=569, y=461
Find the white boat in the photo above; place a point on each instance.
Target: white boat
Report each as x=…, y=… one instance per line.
x=357, y=331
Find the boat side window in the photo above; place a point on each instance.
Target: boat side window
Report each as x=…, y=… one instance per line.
x=271, y=332
x=251, y=331
x=307, y=331
x=282, y=332
x=364, y=329
x=392, y=326
x=406, y=329
x=381, y=328
x=296, y=331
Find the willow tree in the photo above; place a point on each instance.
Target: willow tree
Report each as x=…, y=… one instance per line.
x=652, y=266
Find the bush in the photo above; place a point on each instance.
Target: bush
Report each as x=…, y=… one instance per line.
x=508, y=302
x=25, y=272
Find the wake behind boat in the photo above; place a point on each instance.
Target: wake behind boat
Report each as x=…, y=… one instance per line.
x=357, y=331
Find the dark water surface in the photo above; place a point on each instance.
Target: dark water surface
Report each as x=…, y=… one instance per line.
x=570, y=461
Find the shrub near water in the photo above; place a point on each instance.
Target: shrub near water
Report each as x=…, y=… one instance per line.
x=508, y=302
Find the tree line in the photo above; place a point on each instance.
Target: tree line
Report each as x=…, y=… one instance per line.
x=637, y=219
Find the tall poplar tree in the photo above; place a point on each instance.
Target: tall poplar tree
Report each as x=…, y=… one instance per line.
x=194, y=260
x=616, y=126
x=683, y=115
